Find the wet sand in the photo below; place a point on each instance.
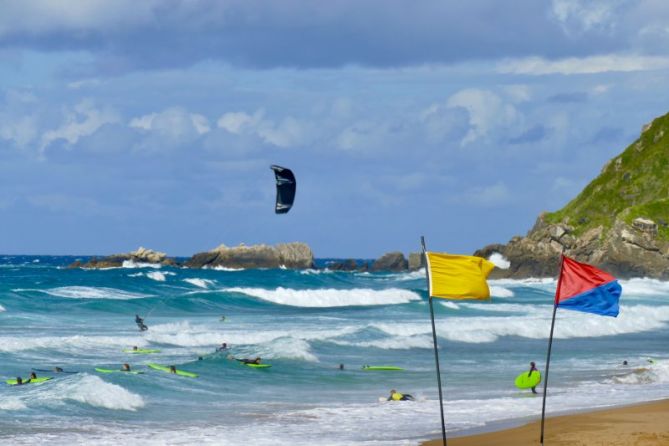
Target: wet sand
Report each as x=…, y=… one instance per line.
x=638, y=425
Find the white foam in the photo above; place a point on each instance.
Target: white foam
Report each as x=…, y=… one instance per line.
x=156, y=275
x=451, y=305
x=131, y=264
x=499, y=260
x=200, y=283
x=535, y=324
x=77, y=343
x=87, y=292
x=500, y=291
x=82, y=388
x=12, y=404
x=224, y=268
x=324, y=298
x=650, y=373
x=288, y=348
x=2, y=308
x=392, y=343
x=93, y=391
x=645, y=287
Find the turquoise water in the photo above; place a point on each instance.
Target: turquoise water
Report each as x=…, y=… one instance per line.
x=304, y=323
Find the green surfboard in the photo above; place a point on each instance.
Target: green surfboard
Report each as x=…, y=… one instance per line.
x=381, y=368
x=528, y=380
x=103, y=370
x=259, y=366
x=141, y=351
x=164, y=368
x=13, y=382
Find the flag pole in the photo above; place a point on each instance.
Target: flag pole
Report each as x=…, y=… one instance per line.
x=434, y=340
x=548, y=356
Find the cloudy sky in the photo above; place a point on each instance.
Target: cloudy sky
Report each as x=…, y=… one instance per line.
x=126, y=123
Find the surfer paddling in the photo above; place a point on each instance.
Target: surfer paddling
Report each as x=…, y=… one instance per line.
x=396, y=396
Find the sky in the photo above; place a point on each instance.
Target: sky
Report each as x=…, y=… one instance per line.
x=154, y=123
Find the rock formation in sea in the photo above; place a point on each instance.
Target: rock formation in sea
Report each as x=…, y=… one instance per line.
x=141, y=256
x=294, y=255
x=619, y=222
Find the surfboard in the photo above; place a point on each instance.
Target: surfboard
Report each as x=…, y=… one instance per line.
x=381, y=368
x=14, y=382
x=164, y=368
x=103, y=370
x=141, y=351
x=259, y=366
x=528, y=380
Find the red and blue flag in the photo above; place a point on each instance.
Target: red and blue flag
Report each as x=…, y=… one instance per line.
x=583, y=287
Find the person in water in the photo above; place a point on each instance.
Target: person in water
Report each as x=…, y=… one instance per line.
x=222, y=348
x=19, y=381
x=173, y=369
x=533, y=368
x=33, y=375
x=58, y=370
x=396, y=396
x=125, y=367
x=140, y=323
x=250, y=361
x=341, y=366
x=134, y=348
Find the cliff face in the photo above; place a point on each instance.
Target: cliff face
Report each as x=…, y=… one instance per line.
x=619, y=222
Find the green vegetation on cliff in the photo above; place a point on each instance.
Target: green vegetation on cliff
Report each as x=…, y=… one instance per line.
x=633, y=184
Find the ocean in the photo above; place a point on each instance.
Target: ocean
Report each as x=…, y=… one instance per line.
x=303, y=323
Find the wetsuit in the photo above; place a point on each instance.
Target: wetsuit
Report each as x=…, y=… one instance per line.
x=140, y=323
x=400, y=397
x=533, y=369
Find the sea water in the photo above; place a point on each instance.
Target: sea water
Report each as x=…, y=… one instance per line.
x=303, y=323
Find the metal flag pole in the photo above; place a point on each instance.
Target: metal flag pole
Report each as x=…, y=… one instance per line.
x=434, y=339
x=548, y=356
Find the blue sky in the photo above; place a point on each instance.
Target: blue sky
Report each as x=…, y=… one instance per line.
x=154, y=123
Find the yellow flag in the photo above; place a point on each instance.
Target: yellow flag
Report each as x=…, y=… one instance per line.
x=458, y=277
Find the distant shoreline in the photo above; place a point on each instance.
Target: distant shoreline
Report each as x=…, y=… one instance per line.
x=638, y=424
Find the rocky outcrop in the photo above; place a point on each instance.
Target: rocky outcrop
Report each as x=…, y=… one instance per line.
x=285, y=255
x=392, y=261
x=415, y=261
x=624, y=250
x=141, y=256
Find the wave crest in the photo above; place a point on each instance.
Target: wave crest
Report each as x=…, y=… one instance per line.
x=324, y=298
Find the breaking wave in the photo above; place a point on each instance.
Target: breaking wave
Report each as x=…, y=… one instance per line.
x=324, y=298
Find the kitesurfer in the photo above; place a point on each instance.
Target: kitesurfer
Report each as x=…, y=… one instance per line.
x=533, y=368
x=140, y=323
x=396, y=396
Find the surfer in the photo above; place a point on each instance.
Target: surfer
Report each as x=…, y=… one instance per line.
x=341, y=367
x=140, y=323
x=58, y=370
x=396, y=396
x=223, y=318
x=250, y=361
x=19, y=381
x=125, y=367
x=533, y=368
x=173, y=369
x=222, y=348
x=33, y=375
x=134, y=348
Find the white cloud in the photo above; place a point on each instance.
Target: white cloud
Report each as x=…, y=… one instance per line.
x=583, y=65
x=486, y=112
x=41, y=16
x=22, y=130
x=173, y=125
x=578, y=16
x=83, y=120
x=240, y=122
x=289, y=132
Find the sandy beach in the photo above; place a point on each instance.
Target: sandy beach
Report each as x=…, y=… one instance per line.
x=639, y=425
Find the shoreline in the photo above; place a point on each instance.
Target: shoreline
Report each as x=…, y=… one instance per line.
x=643, y=424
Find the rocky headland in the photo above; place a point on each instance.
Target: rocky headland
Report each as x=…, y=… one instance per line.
x=294, y=255
x=619, y=222
x=138, y=257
